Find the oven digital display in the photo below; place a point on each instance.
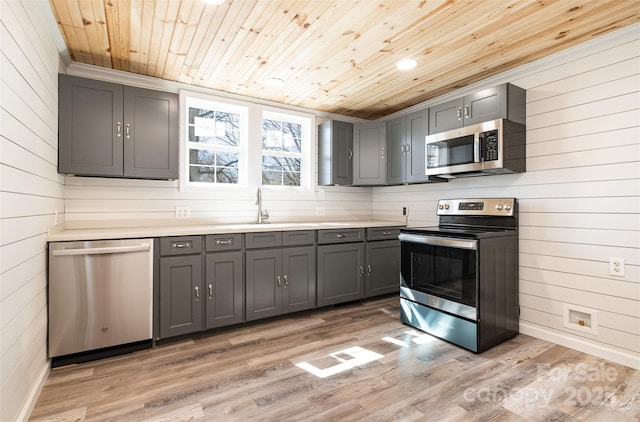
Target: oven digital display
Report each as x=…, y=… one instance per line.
x=471, y=206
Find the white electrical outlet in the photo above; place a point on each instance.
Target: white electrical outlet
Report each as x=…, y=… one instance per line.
x=616, y=266
x=405, y=211
x=183, y=212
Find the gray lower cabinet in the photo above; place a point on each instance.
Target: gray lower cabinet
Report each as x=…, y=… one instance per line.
x=224, y=289
x=341, y=255
x=280, y=277
x=369, y=154
x=193, y=297
x=382, y=261
x=180, y=291
x=504, y=101
x=112, y=130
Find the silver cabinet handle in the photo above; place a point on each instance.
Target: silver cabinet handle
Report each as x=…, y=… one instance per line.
x=387, y=233
x=127, y=130
x=459, y=113
x=369, y=271
x=382, y=153
x=286, y=281
x=180, y=245
x=340, y=236
x=466, y=112
x=118, y=129
x=408, y=147
x=350, y=153
x=210, y=291
x=223, y=242
x=197, y=289
x=361, y=271
x=279, y=281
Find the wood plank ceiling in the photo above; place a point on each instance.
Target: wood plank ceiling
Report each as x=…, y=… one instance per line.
x=336, y=56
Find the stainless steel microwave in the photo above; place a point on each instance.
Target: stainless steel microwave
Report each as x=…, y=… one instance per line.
x=493, y=147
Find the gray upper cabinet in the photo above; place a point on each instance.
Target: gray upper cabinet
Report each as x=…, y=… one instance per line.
x=505, y=101
x=405, y=148
x=369, y=154
x=335, y=153
x=112, y=130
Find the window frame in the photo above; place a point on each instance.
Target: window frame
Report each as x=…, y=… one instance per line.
x=193, y=99
x=307, y=123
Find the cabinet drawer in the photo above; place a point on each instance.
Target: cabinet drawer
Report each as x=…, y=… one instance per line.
x=223, y=242
x=298, y=237
x=263, y=240
x=180, y=245
x=382, y=233
x=340, y=235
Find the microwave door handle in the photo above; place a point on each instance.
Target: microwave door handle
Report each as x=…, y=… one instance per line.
x=477, y=144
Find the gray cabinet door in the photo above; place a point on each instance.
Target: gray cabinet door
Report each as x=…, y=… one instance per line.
x=369, y=154
x=488, y=104
x=150, y=134
x=223, y=289
x=112, y=130
x=299, y=278
x=181, y=295
x=340, y=273
x=396, y=151
x=383, y=267
x=417, y=126
x=90, y=127
x=335, y=153
x=446, y=116
x=263, y=283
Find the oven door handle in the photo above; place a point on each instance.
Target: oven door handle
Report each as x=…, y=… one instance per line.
x=439, y=241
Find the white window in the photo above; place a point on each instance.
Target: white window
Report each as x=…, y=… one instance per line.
x=286, y=149
x=214, y=151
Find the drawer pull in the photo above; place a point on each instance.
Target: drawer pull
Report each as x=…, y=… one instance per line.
x=340, y=236
x=224, y=242
x=180, y=245
x=387, y=233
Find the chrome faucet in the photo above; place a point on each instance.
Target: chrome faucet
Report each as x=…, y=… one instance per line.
x=262, y=214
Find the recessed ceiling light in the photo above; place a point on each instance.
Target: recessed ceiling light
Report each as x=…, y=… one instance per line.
x=406, y=64
x=275, y=82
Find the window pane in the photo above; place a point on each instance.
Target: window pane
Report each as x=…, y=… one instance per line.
x=227, y=159
x=201, y=174
x=201, y=156
x=272, y=178
x=227, y=175
x=291, y=138
x=291, y=179
x=271, y=163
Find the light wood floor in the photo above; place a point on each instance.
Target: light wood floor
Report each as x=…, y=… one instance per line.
x=390, y=372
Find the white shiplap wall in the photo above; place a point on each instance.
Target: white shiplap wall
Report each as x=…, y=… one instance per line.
x=30, y=192
x=579, y=199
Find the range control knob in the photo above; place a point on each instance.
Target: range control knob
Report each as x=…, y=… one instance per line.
x=499, y=207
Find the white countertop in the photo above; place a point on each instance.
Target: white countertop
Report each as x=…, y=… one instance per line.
x=110, y=230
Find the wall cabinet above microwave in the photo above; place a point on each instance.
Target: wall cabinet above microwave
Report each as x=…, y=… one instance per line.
x=505, y=101
x=112, y=130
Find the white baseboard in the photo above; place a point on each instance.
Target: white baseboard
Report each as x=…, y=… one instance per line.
x=627, y=359
x=32, y=398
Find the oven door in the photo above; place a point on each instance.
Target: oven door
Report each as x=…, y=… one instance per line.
x=440, y=272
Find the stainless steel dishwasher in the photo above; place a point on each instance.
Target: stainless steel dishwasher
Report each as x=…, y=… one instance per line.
x=100, y=294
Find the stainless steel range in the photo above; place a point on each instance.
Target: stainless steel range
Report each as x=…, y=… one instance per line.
x=459, y=280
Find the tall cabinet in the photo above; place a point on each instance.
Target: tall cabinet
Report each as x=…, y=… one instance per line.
x=405, y=148
x=369, y=154
x=335, y=153
x=113, y=130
